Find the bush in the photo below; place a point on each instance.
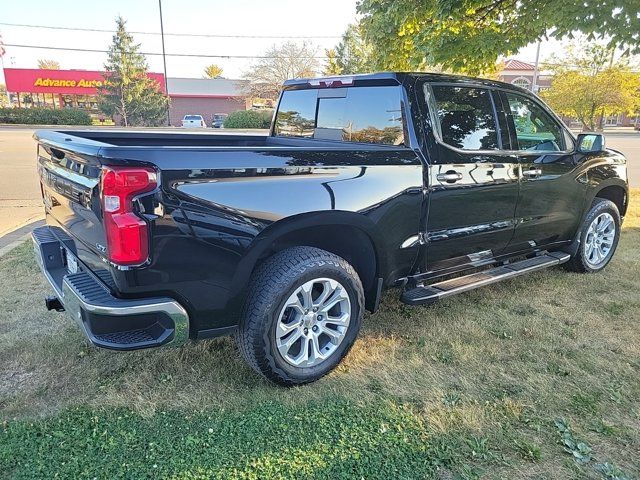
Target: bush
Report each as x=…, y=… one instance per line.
x=44, y=116
x=249, y=119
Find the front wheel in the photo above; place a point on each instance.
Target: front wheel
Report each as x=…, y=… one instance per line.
x=598, y=238
x=302, y=314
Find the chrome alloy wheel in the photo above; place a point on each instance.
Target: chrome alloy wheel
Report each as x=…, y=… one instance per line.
x=313, y=322
x=599, y=240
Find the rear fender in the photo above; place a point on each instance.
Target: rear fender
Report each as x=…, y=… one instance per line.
x=267, y=242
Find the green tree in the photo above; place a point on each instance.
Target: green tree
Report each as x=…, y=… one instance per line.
x=469, y=35
x=212, y=71
x=4, y=101
x=588, y=84
x=351, y=55
x=289, y=60
x=128, y=92
x=46, y=64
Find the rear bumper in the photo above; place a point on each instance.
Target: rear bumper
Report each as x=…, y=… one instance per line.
x=107, y=321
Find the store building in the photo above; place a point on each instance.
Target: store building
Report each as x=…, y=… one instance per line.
x=79, y=89
x=524, y=75
x=204, y=96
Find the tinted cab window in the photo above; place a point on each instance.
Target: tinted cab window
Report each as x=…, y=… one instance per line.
x=353, y=114
x=535, y=128
x=465, y=117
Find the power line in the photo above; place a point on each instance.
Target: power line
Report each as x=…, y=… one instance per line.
x=195, y=55
x=209, y=35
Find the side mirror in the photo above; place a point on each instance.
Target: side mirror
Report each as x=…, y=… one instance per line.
x=590, y=142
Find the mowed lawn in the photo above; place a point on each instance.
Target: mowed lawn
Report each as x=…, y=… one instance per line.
x=537, y=377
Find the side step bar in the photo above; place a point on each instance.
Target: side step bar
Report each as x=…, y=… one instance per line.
x=428, y=294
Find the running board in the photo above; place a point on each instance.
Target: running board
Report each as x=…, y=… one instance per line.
x=431, y=293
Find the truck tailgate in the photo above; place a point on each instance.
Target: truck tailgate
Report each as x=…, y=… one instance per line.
x=70, y=184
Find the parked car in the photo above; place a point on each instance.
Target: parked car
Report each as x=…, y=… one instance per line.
x=432, y=184
x=193, y=121
x=217, y=120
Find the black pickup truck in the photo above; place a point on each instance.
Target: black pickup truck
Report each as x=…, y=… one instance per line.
x=431, y=183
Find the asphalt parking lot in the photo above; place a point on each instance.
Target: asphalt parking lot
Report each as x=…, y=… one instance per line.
x=20, y=193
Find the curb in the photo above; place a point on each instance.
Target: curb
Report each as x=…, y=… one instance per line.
x=15, y=238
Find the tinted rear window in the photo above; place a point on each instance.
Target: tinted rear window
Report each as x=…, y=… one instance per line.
x=193, y=117
x=353, y=114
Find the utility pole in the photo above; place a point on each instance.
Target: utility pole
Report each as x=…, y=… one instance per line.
x=164, y=61
x=2, y=52
x=534, y=84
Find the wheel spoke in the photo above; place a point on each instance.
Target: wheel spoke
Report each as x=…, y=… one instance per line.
x=333, y=335
x=285, y=346
x=303, y=354
x=283, y=329
x=342, y=320
x=328, y=287
x=294, y=302
x=604, y=224
x=338, y=296
x=589, y=250
x=305, y=291
x=596, y=252
x=315, y=353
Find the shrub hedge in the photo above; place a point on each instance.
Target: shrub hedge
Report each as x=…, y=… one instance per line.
x=249, y=119
x=44, y=116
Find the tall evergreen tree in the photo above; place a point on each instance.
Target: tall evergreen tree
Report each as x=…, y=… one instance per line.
x=128, y=92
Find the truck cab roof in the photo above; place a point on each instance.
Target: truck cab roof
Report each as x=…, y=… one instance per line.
x=393, y=78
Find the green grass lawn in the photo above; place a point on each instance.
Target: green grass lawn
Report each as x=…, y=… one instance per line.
x=537, y=377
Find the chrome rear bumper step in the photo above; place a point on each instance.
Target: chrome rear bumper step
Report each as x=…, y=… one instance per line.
x=427, y=294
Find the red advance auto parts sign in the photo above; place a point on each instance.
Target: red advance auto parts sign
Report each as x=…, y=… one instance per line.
x=79, y=82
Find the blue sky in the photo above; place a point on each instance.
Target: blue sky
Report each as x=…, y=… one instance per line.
x=229, y=17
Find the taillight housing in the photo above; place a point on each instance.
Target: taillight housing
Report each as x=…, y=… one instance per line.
x=127, y=234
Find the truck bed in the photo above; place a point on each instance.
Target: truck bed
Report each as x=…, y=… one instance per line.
x=112, y=142
x=159, y=138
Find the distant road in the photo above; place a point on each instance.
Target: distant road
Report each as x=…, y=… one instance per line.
x=20, y=192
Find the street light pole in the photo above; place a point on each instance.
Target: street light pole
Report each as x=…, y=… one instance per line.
x=534, y=86
x=164, y=61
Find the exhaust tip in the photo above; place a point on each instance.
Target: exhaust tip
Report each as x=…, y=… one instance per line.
x=54, y=303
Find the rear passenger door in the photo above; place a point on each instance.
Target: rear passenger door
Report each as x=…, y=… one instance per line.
x=473, y=182
x=551, y=195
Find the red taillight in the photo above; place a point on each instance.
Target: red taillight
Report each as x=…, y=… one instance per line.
x=127, y=233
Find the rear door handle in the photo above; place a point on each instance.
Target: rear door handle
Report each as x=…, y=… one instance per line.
x=532, y=172
x=449, y=177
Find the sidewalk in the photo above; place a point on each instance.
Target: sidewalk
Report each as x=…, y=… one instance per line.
x=611, y=131
x=14, y=238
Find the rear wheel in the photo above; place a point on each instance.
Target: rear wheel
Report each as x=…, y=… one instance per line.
x=598, y=238
x=303, y=313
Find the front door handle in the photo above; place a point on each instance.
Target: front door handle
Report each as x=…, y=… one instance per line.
x=532, y=172
x=449, y=177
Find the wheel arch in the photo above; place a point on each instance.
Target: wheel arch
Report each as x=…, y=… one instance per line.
x=349, y=235
x=617, y=193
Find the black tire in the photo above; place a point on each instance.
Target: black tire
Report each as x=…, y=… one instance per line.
x=272, y=284
x=579, y=262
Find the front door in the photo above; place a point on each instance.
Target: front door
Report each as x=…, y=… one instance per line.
x=551, y=196
x=473, y=182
